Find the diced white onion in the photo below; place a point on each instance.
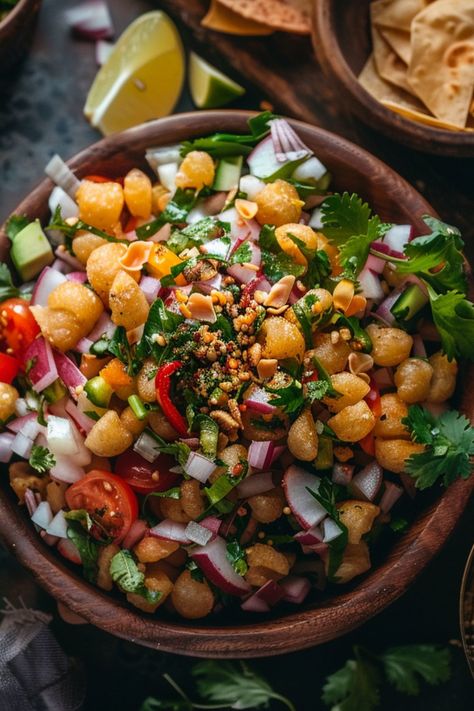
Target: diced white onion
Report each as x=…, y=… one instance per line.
x=43, y=515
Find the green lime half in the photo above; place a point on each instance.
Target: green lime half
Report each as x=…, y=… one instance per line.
x=210, y=88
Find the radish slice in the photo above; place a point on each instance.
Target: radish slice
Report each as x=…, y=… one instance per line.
x=62, y=175
x=43, y=515
x=295, y=589
x=370, y=285
x=69, y=551
x=366, y=484
x=199, y=467
x=255, y=484
x=43, y=371
x=91, y=20
x=390, y=496
x=48, y=280
x=135, y=534
x=6, y=440
x=307, y=511
x=171, y=531
x=342, y=474
x=212, y=559
x=69, y=373
x=58, y=526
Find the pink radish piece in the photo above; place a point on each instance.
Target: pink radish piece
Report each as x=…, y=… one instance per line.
x=67, y=549
x=212, y=559
x=307, y=511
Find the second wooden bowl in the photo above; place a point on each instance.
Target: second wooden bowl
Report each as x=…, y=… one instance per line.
x=15, y=32
x=238, y=635
x=341, y=40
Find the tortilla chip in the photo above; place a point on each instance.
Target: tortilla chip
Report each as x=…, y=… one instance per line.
x=423, y=118
x=389, y=65
x=441, y=71
x=397, y=14
x=286, y=15
x=383, y=90
x=399, y=41
x=222, y=19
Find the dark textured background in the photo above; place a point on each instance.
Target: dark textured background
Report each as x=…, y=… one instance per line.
x=40, y=114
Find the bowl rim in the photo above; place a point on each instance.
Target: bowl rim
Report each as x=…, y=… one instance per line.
x=330, y=56
x=15, y=11
x=291, y=632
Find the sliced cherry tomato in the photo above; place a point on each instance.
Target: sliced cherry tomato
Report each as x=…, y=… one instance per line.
x=144, y=477
x=108, y=499
x=9, y=368
x=367, y=443
x=18, y=327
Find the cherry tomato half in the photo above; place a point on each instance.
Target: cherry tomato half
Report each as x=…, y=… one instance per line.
x=144, y=477
x=108, y=499
x=9, y=368
x=18, y=327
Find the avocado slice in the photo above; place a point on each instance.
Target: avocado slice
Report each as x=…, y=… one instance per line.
x=31, y=251
x=228, y=173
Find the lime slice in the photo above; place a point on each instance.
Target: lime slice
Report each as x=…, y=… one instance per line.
x=142, y=78
x=210, y=88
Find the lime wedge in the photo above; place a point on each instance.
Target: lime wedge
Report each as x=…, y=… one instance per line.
x=210, y=88
x=142, y=78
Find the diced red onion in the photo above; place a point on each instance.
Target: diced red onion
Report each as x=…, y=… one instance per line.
x=84, y=422
x=43, y=371
x=342, y=473
x=251, y=186
x=30, y=501
x=43, y=515
x=384, y=309
x=146, y=447
x=240, y=229
x=255, y=484
x=213, y=524
x=375, y=264
x=271, y=592
x=384, y=248
x=171, y=531
x=48, y=280
x=62, y=175
x=48, y=539
x=103, y=50
x=91, y=20
x=367, y=482
x=383, y=377
x=207, y=286
x=398, y=237
x=408, y=485
x=197, y=533
x=135, y=534
x=63, y=254
x=69, y=550
x=244, y=274
x=84, y=345
x=20, y=424
x=103, y=327
x=309, y=170
x=213, y=561
x=262, y=454
x=255, y=604
x=199, y=467
x=311, y=537
x=59, y=198
x=305, y=508
x=287, y=144
x=331, y=530
x=66, y=470
x=370, y=285
x=58, y=526
x=419, y=349
x=390, y=496
x=163, y=154
x=6, y=440
x=295, y=589
x=259, y=401
x=167, y=173
x=150, y=287
x=80, y=277
x=320, y=549
x=69, y=373
x=60, y=436
x=59, y=266
x=22, y=445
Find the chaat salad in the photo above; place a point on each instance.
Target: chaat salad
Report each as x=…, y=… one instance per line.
x=221, y=381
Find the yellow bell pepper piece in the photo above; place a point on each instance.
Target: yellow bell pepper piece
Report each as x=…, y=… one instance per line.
x=160, y=262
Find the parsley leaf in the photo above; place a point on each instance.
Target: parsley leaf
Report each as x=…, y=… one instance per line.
x=41, y=459
x=236, y=556
x=7, y=288
x=125, y=573
x=348, y=223
x=354, y=686
x=449, y=443
x=404, y=665
x=15, y=224
x=453, y=316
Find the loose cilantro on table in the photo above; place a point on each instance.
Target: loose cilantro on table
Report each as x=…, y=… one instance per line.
x=124, y=571
x=41, y=459
x=15, y=224
x=357, y=684
x=7, y=289
x=449, y=447
x=348, y=223
x=220, y=145
x=236, y=556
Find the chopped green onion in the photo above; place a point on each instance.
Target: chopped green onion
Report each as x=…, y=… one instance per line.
x=138, y=407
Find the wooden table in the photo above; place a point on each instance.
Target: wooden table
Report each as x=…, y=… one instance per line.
x=40, y=114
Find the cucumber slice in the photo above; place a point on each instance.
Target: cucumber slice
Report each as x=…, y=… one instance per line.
x=228, y=173
x=409, y=303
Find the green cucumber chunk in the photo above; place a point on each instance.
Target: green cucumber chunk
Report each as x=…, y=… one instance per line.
x=228, y=173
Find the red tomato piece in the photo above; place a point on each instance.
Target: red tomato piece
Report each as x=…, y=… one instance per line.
x=145, y=477
x=9, y=368
x=18, y=327
x=108, y=499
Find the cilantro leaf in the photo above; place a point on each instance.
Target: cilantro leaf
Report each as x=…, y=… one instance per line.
x=87, y=547
x=152, y=704
x=121, y=349
x=159, y=321
x=41, y=459
x=242, y=254
x=354, y=686
x=276, y=263
x=220, y=145
x=423, y=254
x=316, y=390
x=453, y=316
x=347, y=222
x=404, y=665
x=7, y=288
x=69, y=231
x=15, y=224
x=449, y=443
x=177, y=449
x=327, y=495
x=290, y=398
x=319, y=267
x=125, y=573
x=236, y=556
x=196, y=234
x=175, y=213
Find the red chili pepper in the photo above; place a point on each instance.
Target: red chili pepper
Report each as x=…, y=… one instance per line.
x=374, y=402
x=163, y=387
x=9, y=368
x=367, y=444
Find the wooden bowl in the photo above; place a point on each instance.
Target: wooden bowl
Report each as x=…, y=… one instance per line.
x=341, y=40
x=15, y=31
x=237, y=634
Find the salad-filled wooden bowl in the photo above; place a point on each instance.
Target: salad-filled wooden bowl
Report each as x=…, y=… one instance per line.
x=324, y=617
x=341, y=40
x=15, y=31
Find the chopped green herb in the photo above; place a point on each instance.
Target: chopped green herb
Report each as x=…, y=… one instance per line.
x=87, y=547
x=175, y=213
x=41, y=459
x=15, y=224
x=7, y=289
x=220, y=145
x=236, y=556
x=125, y=573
